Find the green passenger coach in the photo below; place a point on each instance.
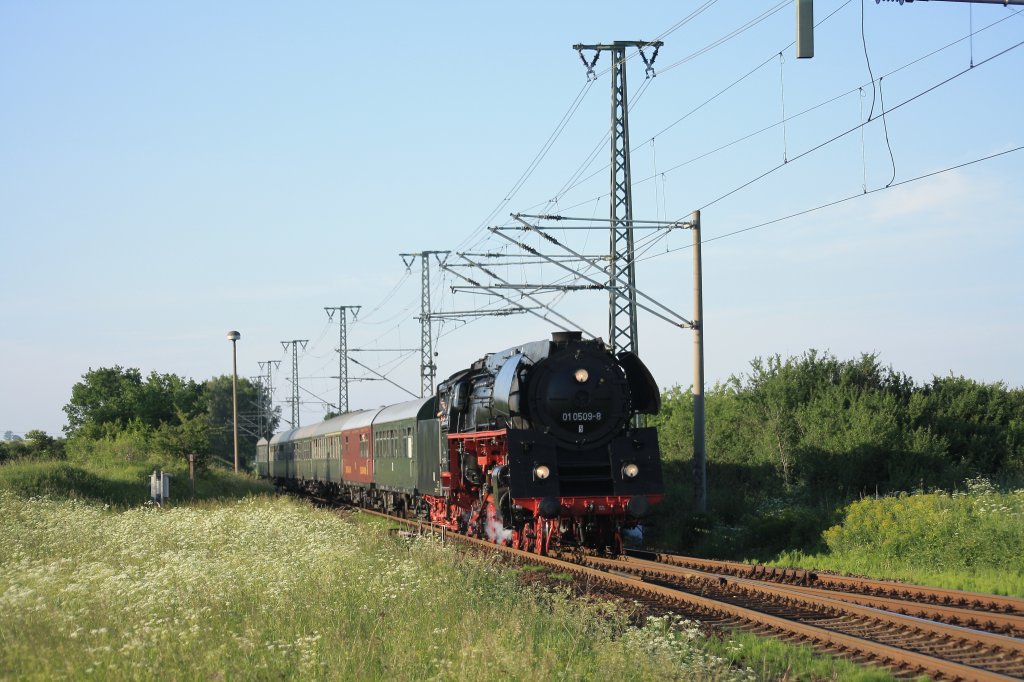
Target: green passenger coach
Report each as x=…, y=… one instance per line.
x=401, y=453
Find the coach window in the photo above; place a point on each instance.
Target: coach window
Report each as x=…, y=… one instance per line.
x=408, y=442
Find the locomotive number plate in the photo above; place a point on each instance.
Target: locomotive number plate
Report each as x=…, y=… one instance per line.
x=581, y=416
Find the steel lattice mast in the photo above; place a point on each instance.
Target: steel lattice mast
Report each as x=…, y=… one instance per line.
x=267, y=408
x=622, y=331
x=427, y=366
x=342, y=351
x=295, y=343
x=258, y=383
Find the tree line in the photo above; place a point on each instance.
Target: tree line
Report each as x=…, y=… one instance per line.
x=812, y=425
x=842, y=428
x=117, y=412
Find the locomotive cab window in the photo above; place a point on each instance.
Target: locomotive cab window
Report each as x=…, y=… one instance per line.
x=460, y=396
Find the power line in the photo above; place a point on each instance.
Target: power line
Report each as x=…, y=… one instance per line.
x=859, y=126
x=804, y=112
x=575, y=180
x=846, y=199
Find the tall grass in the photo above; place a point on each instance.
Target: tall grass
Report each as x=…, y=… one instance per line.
x=266, y=588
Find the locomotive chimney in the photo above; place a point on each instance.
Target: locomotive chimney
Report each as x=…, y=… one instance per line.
x=562, y=338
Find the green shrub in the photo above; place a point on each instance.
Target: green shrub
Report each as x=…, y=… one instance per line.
x=776, y=530
x=58, y=479
x=981, y=528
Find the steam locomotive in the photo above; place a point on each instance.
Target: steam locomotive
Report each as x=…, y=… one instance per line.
x=537, y=446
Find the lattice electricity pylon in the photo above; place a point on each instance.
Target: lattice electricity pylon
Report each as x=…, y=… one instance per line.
x=622, y=331
x=342, y=351
x=427, y=366
x=295, y=343
x=268, y=408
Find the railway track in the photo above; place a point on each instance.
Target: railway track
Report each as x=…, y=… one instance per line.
x=912, y=627
x=994, y=613
x=906, y=629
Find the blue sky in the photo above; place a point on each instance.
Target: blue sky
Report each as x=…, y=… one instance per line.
x=170, y=171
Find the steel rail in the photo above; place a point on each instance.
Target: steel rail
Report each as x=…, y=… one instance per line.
x=974, y=601
x=795, y=593
x=1009, y=624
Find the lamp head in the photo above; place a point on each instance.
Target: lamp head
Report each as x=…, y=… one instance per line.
x=234, y=336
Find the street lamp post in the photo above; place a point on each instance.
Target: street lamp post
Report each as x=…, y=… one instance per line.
x=233, y=336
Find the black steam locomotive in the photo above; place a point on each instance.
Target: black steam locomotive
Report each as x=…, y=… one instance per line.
x=536, y=446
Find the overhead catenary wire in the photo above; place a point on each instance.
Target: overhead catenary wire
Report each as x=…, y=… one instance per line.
x=745, y=27
x=851, y=197
x=532, y=166
x=576, y=180
x=771, y=126
x=859, y=126
x=565, y=120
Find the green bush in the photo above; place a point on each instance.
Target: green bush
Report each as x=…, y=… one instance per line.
x=981, y=528
x=771, y=532
x=61, y=479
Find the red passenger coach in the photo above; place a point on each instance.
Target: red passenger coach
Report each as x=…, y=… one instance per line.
x=357, y=449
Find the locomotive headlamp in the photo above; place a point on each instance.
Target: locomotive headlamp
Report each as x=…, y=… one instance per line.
x=630, y=470
x=541, y=472
x=582, y=375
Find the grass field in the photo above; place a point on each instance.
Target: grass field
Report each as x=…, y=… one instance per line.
x=268, y=588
